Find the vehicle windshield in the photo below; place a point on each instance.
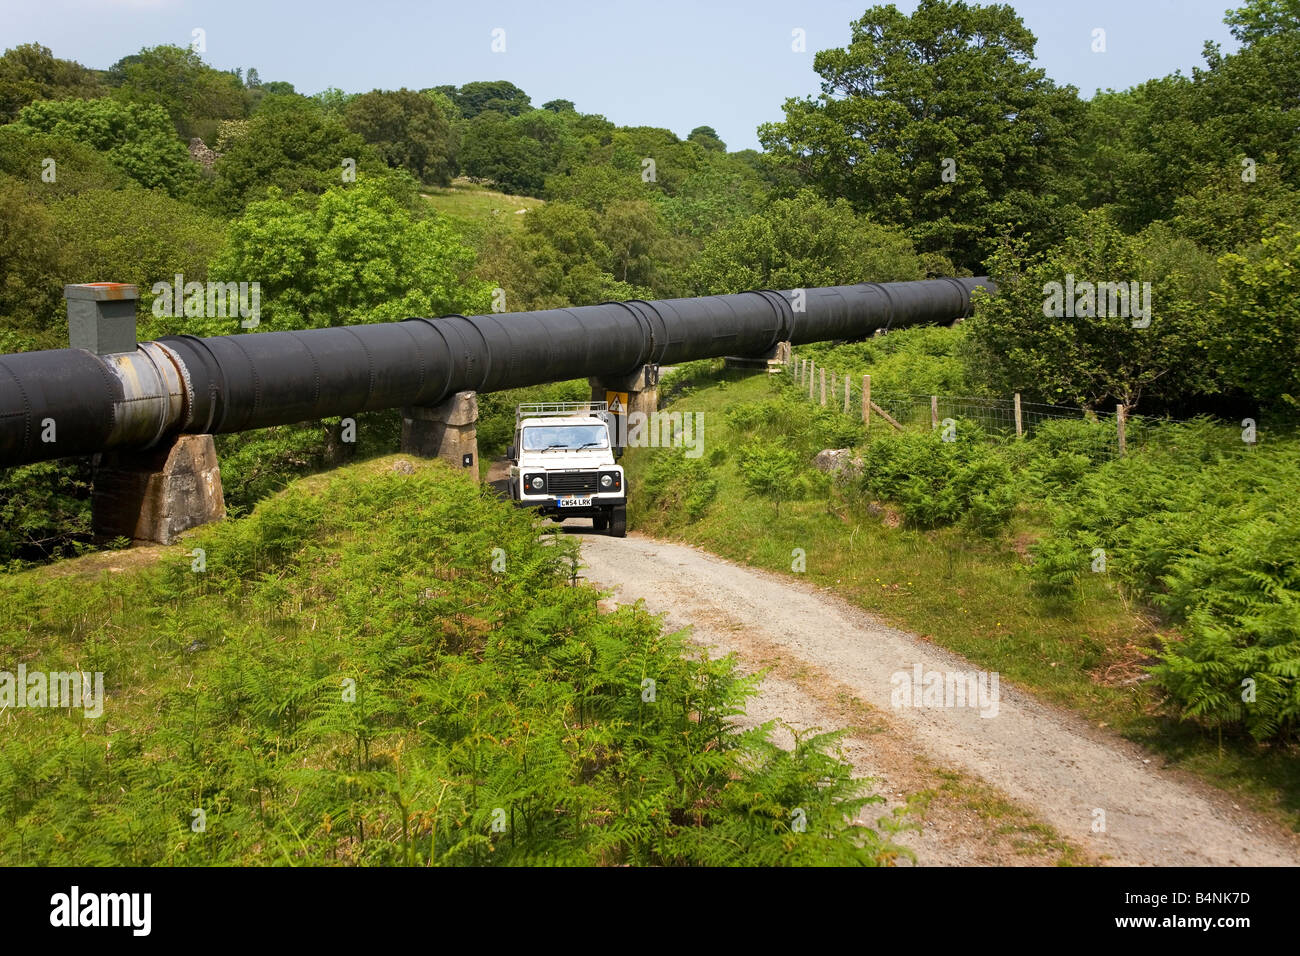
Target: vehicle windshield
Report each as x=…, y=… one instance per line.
x=547, y=437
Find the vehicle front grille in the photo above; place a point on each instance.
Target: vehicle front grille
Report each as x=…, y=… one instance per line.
x=571, y=482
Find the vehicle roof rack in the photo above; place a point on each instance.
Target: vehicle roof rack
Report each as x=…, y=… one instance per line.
x=560, y=409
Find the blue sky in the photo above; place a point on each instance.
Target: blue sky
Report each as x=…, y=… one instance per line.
x=664, y=63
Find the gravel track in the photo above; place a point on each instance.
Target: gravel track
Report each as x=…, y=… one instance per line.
x=825, y=652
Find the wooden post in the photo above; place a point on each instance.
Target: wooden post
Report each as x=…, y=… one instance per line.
x=886, y=416
x=866, y=401
x=1121, y=420
x=1019, y=429
x=846, y=394
x=934, y=411
x=812, y=374
x=823, y=385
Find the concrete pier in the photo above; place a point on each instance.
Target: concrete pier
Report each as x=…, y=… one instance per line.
x=448, y=431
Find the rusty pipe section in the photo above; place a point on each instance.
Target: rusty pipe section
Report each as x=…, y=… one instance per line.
x=64, y=402
x=154, y=395
x=67, y=402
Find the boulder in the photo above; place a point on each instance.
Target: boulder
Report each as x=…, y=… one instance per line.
x=838, y=461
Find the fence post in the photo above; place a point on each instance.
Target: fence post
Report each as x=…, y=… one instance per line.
x=846, y=394
x=934, y=411
x=823, y=371
x=866, y=401
x=1019, y=430
x=812, y=374
x=1121, y=420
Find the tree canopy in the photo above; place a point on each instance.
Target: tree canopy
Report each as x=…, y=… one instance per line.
x=30, y=72
x=939, y=123
x=407, y=129
x=352, y=255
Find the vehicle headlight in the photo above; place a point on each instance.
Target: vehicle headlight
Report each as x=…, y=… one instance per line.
x=538, y=482
x=606, y=481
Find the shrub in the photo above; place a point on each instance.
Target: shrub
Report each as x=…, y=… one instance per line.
x=921, y=360
x=1210, y=534
x=44, y=510
x=795, y=423
x=1058, y=454
x=680, y=485
x=1057, y=566
x=772, y=471
x=139, y=140
x=937, y=482
x=1240, y=594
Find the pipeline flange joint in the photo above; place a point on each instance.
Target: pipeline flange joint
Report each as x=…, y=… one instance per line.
x=154, y=395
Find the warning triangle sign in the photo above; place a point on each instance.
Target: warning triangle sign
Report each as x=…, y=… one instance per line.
x=615, y=407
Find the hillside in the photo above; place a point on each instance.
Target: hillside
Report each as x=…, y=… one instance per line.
x=384, y=665
x=471, y=205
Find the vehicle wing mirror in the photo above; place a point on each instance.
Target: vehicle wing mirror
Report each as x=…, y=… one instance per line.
x=618, y=452
x=510, y=452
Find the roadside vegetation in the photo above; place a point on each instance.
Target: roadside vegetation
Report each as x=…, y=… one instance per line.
x=986, y=545
x=347, y=680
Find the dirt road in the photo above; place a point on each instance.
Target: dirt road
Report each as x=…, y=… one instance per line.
x=973, y=779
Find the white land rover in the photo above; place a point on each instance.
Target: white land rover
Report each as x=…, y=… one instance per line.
x=563, y=463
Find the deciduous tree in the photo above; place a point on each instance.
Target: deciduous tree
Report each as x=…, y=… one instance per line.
x=937, y=122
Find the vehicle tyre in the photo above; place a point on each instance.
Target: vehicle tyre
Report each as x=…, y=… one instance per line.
x=618, y=522
x=600, y=522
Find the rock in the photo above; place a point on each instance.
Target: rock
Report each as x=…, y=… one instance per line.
x=403, y=467
x=831, y=459
x=839, y=462
x=202, y=154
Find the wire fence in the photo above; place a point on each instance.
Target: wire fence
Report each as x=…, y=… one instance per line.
x=1117, y=432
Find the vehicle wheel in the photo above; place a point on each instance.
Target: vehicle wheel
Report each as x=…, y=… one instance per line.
x=600, y=522
x=618, y=523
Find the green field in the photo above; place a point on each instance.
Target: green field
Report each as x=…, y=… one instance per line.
x=471, y=205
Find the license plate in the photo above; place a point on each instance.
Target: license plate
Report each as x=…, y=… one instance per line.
x=573, y=501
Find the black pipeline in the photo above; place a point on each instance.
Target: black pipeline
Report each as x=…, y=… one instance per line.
x=67, y=402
